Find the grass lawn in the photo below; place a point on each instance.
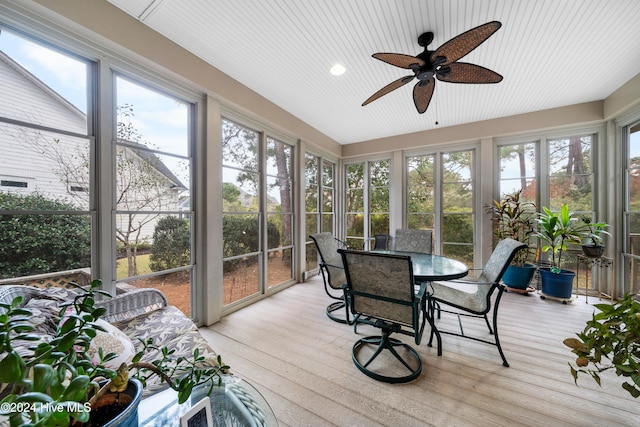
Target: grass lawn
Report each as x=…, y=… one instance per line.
x=143, y=266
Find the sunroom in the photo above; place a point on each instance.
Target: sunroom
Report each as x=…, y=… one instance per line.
x=118, y=126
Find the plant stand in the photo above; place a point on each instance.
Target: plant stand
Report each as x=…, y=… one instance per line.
x=525, y=291
x=590, y=263
x=562, y=300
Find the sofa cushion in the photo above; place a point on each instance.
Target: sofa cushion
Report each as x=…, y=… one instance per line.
x=169, y=327
x=112, y=340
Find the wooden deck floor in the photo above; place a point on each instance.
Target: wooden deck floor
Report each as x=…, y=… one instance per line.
x=301, y=362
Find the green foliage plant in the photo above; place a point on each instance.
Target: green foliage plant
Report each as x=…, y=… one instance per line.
x=556, y=229
x=57, y=381
x=36, y=244
x=593, y=231
x=610, y=341
x=171, y=244
x=516, y=219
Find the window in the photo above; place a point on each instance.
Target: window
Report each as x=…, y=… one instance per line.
x=570, y=174
x=257, y=212
x=241, y=212
x=458, y=214
x=518, y=170
x=379, y=211
x=153, y=180
x=14, y=184
x=367, y=201
x=631, y=245
x=319, y=203
x=355, y=208
x=279, y=212
x=565, y=174
x=441, y=190
x=46, y=142
x=420, y=192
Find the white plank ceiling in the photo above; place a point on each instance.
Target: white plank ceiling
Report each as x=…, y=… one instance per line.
x=551, y=53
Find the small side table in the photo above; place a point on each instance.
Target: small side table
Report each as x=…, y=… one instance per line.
x=236, y=403
x=600, y=263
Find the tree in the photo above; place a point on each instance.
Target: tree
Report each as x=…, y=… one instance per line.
x=240, y=148
x=140, y=184
x=36, y=244
x=230, y=192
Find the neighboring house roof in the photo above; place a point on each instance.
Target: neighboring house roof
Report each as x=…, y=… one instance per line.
x=154, y=160
x=40, y=84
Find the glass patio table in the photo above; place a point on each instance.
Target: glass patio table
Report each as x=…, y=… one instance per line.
x=430, y=267
x=236, y=403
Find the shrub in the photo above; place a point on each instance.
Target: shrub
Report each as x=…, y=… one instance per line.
x=241, y=235
x=171, y=244
x=36, y=244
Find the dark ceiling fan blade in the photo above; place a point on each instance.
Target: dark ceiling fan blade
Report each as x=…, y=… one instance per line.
x=388, y=88
x=399, y=60
x=462, y=72
x=464, y=43
x=422, y=93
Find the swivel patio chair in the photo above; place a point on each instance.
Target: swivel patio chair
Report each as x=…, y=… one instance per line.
x=409, y=240
x=473, y=298
x=332, y=274
x=381, y=293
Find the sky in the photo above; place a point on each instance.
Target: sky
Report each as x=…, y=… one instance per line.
x=162, y=121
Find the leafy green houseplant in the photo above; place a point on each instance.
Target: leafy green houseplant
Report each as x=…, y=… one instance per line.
x=59, y=380
x=556, y=230
x=610, y=341
x=592, y=232
x=516, y=219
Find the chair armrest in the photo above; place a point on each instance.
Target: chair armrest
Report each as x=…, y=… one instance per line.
x=131, y=304
x=334, y=266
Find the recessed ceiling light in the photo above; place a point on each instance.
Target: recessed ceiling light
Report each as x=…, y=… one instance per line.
x=338, y=70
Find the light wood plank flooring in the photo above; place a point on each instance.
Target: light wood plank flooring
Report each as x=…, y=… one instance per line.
x=301, y=362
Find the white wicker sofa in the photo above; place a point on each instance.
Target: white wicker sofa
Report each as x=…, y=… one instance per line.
x=140, y=314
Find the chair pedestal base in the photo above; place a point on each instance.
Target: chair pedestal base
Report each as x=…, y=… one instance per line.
x=384, y=342
x=338, y=306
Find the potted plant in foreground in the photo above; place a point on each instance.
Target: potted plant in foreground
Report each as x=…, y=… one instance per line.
x=515, y=219
x=610, y=341
x=592, y=245
x=58, y=382
x=556, y=230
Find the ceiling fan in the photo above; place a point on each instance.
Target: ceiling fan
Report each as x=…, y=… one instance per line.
x=441, y=63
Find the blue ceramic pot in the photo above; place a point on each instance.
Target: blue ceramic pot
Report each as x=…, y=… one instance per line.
x=519, y=277
x=558, y=285
x=129, y=416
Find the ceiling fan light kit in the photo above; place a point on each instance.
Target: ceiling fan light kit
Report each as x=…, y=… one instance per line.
x=441, y=64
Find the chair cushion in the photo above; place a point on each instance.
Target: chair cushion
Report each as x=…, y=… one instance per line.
x=463, y=294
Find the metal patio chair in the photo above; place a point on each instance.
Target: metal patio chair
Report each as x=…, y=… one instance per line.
x=473, y=298
x=409, y=240
x=381, y=293
x=332, y=273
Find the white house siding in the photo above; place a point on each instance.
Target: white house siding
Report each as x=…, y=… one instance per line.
x=25, y=98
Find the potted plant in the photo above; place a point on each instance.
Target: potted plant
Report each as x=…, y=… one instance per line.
x=515, y=219
x=556, y=230
x=59, y=381
x=593, y=231
x=610, y=341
